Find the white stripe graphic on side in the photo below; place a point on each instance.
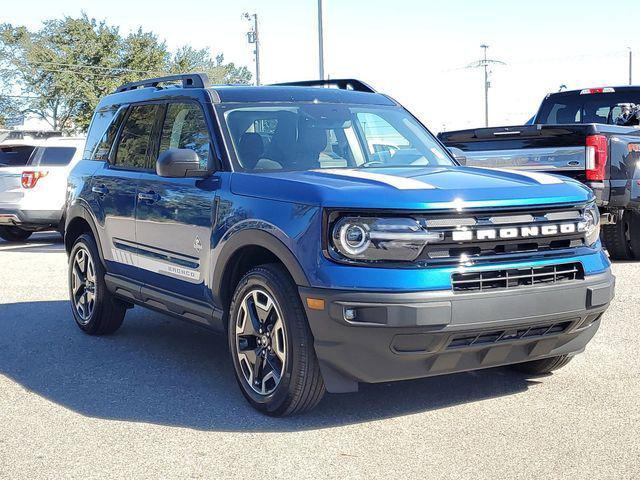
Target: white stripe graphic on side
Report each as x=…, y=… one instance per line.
x=401, y=183
x=541, y=178
x=153, y=265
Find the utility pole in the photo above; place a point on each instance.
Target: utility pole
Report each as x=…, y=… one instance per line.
x=253, y=38
x=485, y=63
x=630, y=66
x=320, y=42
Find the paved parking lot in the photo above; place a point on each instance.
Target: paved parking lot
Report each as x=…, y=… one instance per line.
x=158, y=400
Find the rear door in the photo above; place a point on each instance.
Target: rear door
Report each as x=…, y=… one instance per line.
x=114, y=188
x=174, y=215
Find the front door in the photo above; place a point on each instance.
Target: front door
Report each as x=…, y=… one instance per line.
x=174, y=215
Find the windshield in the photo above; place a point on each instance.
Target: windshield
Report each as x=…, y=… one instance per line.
x=312, y=136
x=588, y=108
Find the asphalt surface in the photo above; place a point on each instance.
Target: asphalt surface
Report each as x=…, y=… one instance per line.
x=158, y=400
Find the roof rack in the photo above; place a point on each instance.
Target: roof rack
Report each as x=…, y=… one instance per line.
x=189, y=80
x=341, y=83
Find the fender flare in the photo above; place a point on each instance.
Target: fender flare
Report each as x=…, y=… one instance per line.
x=260, y=238
x=79, y=210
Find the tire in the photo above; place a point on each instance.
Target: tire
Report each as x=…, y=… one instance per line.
x=616, y=238
x=14, y=234
x=287, y=379
x=102, y=313
x=542, y=366
x=634, y=234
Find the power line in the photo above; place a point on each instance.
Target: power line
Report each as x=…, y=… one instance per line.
x=94, y=67
x=485, y=63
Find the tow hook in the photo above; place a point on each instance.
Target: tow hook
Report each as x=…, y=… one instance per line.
x=608, y=218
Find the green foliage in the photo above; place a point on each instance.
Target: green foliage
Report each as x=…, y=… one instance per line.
x=62, y=70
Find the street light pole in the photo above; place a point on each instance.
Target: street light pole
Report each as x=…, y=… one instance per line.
x=630, y=66
x=486, y=86
x=253, y=38
x=320, y=42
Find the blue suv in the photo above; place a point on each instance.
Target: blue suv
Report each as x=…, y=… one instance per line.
x=329, y=235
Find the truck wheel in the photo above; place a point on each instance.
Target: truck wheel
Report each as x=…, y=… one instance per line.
x=271, y=344
x=95, y=310
x=14, y=234
x=617, y=238
x=634, y=234
x=542, y=366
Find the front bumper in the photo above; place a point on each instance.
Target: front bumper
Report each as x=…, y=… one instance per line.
x=30, y=219
x=397, y=336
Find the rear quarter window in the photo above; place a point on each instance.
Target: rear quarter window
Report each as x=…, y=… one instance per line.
x=102, y=133
x=52, y=156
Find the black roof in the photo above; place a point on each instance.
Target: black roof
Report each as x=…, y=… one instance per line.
x=619, y=89
x=197, y=86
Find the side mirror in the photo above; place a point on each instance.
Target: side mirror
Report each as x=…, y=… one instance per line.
x=458, y=155
x=180, y=163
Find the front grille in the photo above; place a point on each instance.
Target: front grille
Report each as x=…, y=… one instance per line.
x=496, y=234
x=507, y=335
x=515, y=277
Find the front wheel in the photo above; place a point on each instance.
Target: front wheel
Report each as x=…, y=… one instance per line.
x=95, y=310
x=14, y=234
x=617, y=238
x=271, y=344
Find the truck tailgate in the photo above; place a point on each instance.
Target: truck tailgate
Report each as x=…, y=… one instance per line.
x=557, y=149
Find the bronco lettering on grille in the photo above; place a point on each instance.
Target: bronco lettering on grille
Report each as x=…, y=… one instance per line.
x=530, y=231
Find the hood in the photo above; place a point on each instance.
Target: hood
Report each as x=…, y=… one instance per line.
x=412, y=188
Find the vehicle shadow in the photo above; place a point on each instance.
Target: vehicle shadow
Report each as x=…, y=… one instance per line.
x=49, y=242
x=159, y=370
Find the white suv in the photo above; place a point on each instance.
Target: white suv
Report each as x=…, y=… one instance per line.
x=32, y=196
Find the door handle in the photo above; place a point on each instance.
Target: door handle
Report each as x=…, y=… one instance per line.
x=149, y=197
x=100, y=190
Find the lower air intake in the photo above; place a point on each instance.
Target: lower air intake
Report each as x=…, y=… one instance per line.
x=516, y=277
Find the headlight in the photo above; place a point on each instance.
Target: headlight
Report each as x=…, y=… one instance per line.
x=590, y=224
x=375, y=239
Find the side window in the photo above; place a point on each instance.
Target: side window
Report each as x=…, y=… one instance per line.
x=136, y=138
x=102, y=132
x=51, y=156
x=185, y=127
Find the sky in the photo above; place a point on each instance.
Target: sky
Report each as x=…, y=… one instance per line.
x=415, y=51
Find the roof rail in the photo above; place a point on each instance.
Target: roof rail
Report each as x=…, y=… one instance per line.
x=341, y=83
x=189, y=80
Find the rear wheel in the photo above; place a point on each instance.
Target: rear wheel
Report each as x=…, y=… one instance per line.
x=95, y=310
x=271, y=344
x=542, y=366
x=14, y=234
x=617, y=238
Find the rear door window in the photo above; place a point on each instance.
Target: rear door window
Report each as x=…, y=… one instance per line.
x=52, y=156
x=136, y=139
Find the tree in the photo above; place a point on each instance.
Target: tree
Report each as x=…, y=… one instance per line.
x=188, y=59
x=63, y=69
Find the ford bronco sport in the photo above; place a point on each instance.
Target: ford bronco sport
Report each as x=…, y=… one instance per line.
x=329, y=235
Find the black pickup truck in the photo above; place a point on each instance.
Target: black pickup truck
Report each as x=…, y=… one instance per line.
x=573, y=134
